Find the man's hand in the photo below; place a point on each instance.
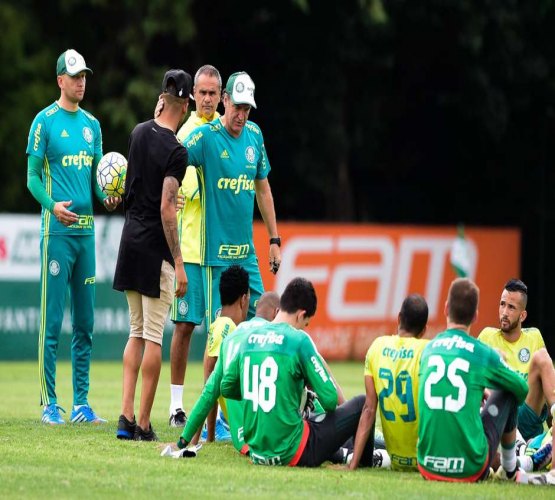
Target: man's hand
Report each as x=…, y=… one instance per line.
x=180, y=203
x=309, y=404
x=180, y=280
x=275, y=258
x=63, y=215
x=111, y=203
x=159, y=107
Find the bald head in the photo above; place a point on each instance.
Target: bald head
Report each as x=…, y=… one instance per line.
x=267, y=306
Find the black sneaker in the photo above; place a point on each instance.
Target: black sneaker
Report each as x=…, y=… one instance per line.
x=126, y=429
x=141, y=435
x=178, y=419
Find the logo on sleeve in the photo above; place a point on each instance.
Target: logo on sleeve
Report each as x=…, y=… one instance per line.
x=524, y=355
x=87, y=134
x=319, y=369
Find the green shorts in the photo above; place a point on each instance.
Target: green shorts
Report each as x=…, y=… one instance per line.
x=530, y=424
x=191, y=307
x=211, y=279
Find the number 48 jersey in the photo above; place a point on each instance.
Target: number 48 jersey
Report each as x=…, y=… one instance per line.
x=393, y=364
x=454, y=371
x=269, y=369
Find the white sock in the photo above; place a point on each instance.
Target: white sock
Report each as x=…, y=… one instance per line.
x=508, y=457
x=76, y=407
x=176, y=398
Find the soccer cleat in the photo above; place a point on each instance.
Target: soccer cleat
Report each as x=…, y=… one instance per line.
x=381, y=459
x=142, y=435
x=85, y=414
x=503, y=475
x=51, y=415
x=178, y=419
x=542, y=457
x=222, y=431
x=126, y=429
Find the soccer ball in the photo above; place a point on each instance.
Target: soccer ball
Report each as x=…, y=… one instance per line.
x=110, y=174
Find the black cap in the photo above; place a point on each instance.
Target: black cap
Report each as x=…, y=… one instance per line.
x=182, y=81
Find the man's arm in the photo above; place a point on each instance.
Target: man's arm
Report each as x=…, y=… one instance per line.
x=34, y=184
x=366, y=422
x=318, y=377
x=265, y=202
x=169, y=223
x=204, y=404
x=231, y=381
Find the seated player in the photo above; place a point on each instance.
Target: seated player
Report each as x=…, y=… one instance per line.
x=269, y=370
x=391, y=377
x=456, y=440
x=266, y=310
x=524, y=351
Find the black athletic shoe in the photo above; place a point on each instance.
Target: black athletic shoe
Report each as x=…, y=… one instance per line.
x=141, y=435
x=178, y=419
x=126, y=429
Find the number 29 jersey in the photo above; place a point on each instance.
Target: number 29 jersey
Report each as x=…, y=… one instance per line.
x=454, y=371
x=393, y=364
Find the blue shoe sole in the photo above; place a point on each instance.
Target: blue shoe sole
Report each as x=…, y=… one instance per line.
x=122, y=434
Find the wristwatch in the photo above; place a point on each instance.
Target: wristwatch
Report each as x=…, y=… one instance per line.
x=275, y=241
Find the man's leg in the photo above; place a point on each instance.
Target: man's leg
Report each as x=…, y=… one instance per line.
x=186, y=313
x=255, y=284
x=499, y=418
x=82, y=298
x=328, y=432
x=56, y=263
x=132, y=355
x=155, y=312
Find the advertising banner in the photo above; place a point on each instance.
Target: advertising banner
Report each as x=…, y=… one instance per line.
x=361, y=274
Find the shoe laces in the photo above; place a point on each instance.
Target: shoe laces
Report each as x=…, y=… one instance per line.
x=88, y=412
x=54, y=410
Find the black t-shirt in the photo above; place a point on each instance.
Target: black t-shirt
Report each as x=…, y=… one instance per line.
x=154, y=153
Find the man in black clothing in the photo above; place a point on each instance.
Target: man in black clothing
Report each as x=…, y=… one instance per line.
x=149, y=256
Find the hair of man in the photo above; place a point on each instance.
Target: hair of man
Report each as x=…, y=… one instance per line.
x=208, y=70
x=234, y=283
x=462, y=301
x=299, y=294
x=516, y=285
x=413, y=315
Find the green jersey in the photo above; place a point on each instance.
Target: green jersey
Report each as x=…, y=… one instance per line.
x=454, y=371
x=227, y=167
x=272, y=365
x=67, y=143
x=211, y=393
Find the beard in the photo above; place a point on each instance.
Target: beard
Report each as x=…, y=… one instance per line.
x=509, y=328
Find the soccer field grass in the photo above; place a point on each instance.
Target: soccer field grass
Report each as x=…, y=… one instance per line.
x=76, y=461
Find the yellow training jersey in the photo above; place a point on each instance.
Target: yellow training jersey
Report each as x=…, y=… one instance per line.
x=188, y=219
x=518, y=354
x=218, y=331
x=393, y=364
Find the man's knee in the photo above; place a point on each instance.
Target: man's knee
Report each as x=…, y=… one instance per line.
x=541, y=360
x=183, y=329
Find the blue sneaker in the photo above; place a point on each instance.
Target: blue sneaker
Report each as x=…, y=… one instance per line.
x=222, y=433
x=85, y=414
x=223, y=420
x=51, y=415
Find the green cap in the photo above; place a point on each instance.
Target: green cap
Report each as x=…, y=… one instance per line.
x=240, y=89
x=71, y=63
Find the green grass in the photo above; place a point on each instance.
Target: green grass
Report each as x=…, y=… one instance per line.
x=75, y=461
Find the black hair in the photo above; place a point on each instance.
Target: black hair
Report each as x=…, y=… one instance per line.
x=234, y=282
x=299, y=294
x=414, y=314
x=516, y=285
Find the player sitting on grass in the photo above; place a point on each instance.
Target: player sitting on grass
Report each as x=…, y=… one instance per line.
x=269, y=372
x=266, y=310
x=456, y=440
x=524, y=350
x=391, y=377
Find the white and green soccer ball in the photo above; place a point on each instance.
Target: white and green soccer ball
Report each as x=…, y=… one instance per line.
x=110, y=174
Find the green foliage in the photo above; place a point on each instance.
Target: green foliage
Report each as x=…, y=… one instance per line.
x=88, y=461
